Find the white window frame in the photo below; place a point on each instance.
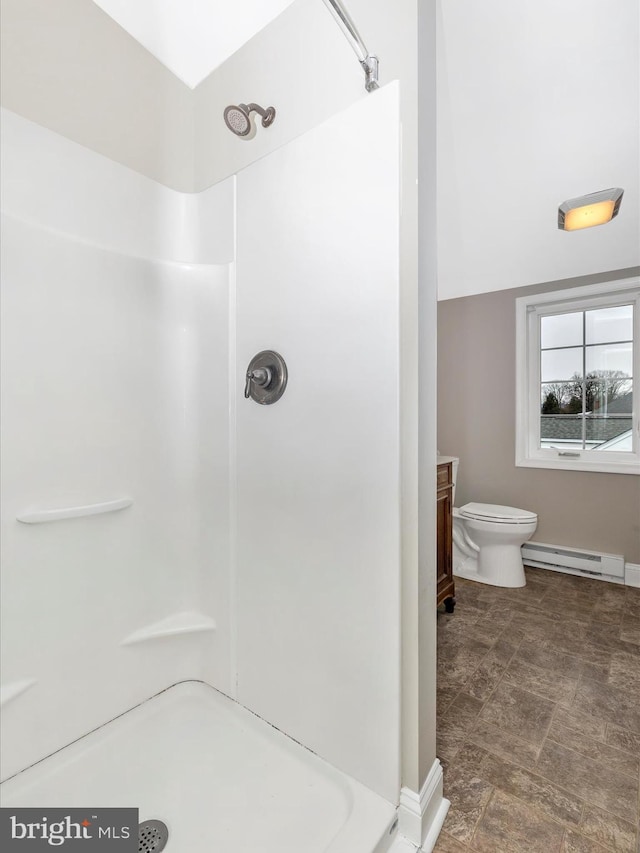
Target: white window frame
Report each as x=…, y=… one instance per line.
x=529, y=309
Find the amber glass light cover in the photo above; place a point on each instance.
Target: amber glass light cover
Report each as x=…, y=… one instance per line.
x=589, y=210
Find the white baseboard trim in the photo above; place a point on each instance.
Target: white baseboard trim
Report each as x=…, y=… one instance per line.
x=431, y=837
x=422, y=815
x=632, y=574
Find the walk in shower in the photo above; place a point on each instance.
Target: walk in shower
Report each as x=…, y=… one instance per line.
x=201, y=587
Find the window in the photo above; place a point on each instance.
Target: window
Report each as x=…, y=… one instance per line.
x=578, y=357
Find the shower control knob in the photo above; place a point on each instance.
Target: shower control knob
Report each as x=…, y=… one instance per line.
x=266, y=377
x=260, y=375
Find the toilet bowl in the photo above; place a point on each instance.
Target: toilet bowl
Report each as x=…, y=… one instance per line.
x=487, y=540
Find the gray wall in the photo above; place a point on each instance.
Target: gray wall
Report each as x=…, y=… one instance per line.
x=476, y=422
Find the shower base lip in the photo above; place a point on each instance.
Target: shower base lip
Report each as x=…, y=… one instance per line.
x=216, y=774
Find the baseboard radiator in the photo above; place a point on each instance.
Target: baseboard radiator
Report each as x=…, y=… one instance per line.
x=574, y=561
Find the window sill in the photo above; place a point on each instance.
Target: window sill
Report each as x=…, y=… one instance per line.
x=602, y=467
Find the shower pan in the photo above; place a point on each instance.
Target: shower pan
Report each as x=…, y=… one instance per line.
x=248, y=784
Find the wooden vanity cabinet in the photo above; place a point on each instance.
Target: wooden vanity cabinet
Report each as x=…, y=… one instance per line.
x=444, y=566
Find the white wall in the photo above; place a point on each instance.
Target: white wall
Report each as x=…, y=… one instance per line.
x=69, y=67
x=318, y=540
x=114, y=384
x=537, y=103
x=191, y=37
x=304, y=66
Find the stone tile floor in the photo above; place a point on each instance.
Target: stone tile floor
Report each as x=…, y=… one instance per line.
x=539, y=717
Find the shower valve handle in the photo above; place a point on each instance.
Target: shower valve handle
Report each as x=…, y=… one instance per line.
x=266, y=378
x=260, y=375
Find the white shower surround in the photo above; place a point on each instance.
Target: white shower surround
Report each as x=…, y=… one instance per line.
x=88, y=417
x=107, y=289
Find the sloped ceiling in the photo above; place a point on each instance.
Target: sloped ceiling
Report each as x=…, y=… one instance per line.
x=538, y=102
x=192, y=37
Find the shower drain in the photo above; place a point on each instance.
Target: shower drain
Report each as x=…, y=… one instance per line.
x=152, y=836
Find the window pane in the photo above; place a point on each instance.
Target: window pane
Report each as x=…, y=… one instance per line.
x=563, y=432
x=612, y=423
x=561, y=330
x=620, y=435
x=622, y=443
x=610, y=359
x=609, y=324
x=561, y=398
x=604, y=433
x=561, y=364
x=609, y=398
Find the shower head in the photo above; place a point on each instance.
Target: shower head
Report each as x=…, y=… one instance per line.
x=237, y=120
x=238, y=117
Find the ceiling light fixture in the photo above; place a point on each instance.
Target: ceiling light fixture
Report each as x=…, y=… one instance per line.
x=589, y=210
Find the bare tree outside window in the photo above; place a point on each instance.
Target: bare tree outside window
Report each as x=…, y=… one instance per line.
x=601, y=387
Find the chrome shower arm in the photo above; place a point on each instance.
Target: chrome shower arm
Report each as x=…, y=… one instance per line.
x=256, y=108
x=369, y=63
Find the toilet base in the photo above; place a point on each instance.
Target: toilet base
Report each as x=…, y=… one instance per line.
x=495, y=565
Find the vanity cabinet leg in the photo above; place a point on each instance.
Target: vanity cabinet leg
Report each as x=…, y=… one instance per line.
x=449, y=604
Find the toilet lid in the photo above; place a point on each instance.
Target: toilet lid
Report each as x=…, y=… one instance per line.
x=495, y=512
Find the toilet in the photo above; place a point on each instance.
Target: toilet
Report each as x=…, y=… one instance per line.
x=487, y=540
